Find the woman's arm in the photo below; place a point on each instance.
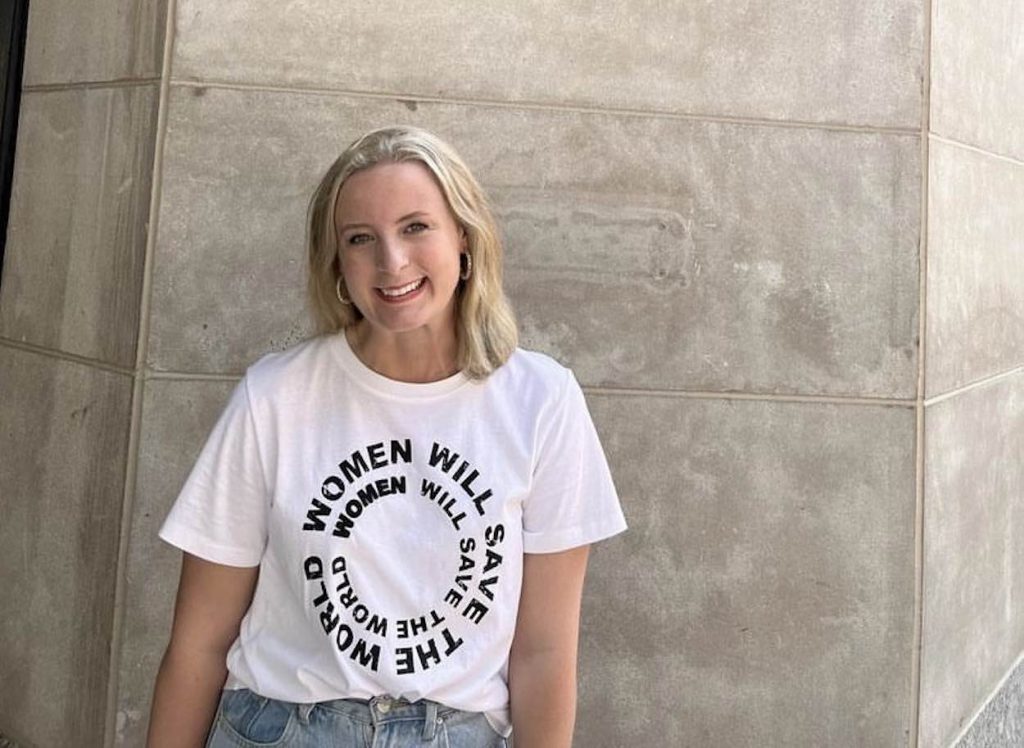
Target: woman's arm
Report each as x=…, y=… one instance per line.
x=542, y=663
x=212, y=599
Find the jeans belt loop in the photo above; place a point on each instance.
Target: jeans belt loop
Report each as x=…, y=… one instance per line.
x=430, y=721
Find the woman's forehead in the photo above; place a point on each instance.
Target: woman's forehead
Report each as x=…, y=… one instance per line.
x=389, y=189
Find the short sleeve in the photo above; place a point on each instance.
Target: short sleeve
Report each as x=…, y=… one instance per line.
x=572, y=499
x=221, y=513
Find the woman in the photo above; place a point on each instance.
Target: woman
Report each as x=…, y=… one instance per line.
x=386, y=533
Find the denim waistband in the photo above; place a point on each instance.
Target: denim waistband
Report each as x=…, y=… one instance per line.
x=381, y=710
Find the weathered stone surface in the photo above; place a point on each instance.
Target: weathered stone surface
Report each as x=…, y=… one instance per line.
x=764, y=593
x=64, y=430
x=1001, y=722
x=975, y=267
x=644, y=251
x=977, y=90
x=76, y=238
x=823, y=61
x=94, y=40
x=974, y=556
x=176, y=418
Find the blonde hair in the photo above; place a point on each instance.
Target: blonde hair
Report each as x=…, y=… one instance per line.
x=485, y=328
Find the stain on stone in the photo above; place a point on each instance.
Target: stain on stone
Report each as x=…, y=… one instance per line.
x=806, y=318
x=650, y=245
x=198, y=91
x=80, y=412
x=409, y=104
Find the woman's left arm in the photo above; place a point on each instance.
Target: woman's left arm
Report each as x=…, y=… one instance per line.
x=542, y=663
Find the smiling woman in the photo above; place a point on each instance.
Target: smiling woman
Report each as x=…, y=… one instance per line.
x=386, y=533
x=399, y=253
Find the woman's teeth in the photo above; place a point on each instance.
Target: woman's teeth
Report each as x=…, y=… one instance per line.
x=402, y=290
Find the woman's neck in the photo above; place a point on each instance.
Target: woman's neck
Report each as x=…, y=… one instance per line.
x=417, y=356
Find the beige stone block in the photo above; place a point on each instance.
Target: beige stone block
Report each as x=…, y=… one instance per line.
x=764, y=593
x=823, y=61
x=94, y=40
x=76, y=237
x=973, y=552
x=975, y=309
x=977, y=88
x=177, y=416
x=643, y=251
x=63, y=443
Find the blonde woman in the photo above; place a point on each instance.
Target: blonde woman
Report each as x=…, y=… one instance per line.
x=386, y=534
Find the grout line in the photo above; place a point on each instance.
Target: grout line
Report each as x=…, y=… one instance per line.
x=765, y=397
x=993, y=694
x=976, y=149
x=138, y=389
x=614, y=391
x=974, y=385
x=178, y=376
x=72, y=358
x=89, y=85
x=520, y=104
x=919, y=407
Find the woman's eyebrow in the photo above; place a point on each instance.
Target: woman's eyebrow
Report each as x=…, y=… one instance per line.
x=414, y=214
x=406, y=217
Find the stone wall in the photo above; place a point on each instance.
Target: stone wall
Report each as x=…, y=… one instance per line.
x=69, y=320
x=719, y=239
x=974, y=413
x=713, y=213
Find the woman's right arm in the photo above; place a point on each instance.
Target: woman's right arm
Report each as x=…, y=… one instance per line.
x=212, y=599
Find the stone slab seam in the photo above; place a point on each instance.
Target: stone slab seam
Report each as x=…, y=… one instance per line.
x=976, y=149
x=138, y=389
x=90, y=85
x=60, y=355
x=977, y=384
x=993, y=694
x=761, y=397
x=533, y=105
x=919, y=409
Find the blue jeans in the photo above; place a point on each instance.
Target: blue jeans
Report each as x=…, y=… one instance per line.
x=247, y=720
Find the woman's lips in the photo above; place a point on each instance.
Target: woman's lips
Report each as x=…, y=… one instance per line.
x=394, y=294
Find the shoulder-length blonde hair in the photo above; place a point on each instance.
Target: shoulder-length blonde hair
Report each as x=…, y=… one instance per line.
x=486, y=328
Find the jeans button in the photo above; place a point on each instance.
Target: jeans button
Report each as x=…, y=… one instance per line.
x=383, y=707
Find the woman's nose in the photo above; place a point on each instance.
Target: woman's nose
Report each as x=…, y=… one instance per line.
x=392, y=256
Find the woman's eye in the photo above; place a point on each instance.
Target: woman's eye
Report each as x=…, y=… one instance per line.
x=358, y=239
x=415, y=227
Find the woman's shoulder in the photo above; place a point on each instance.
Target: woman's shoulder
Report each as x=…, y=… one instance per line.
x=533, y=373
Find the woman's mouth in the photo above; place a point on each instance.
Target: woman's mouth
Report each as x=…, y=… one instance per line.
x=401, y=293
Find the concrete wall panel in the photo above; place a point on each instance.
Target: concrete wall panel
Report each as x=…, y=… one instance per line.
x=975, y=267
x=94, y=40
x=646, y=252
x=977, y=90
x=177, y=416
x=77, y=229
x=974, y=552
x=764, y=593
x=831, y=61
x=65, y=433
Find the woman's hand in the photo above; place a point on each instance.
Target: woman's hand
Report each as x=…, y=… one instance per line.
x=542, y=663
x=212, y=599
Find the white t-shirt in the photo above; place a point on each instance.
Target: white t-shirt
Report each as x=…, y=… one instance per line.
x=389, y=520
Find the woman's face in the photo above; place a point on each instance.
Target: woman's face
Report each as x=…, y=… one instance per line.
x=399, y=245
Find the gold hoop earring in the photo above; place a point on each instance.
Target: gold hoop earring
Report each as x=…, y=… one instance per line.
x=337, y=291
x=465, y=268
